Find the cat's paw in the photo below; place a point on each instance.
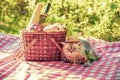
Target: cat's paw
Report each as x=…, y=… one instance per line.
x=87, y=64
x=74, y=64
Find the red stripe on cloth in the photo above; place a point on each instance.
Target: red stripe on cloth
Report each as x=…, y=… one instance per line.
x=7, y=39
x=9, y=68
x=9, y=58
x=9, y=64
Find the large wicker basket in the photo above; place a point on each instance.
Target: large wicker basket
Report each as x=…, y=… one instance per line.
x=42, y=46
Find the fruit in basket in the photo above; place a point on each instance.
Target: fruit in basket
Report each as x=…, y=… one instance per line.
x=54, y=28
x=36, y=28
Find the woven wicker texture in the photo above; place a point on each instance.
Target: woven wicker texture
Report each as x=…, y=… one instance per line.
x=43, y=49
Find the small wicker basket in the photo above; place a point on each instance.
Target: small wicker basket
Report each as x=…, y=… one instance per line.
x=41, y=46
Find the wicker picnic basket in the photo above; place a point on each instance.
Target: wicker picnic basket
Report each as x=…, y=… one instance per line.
x=42, y=46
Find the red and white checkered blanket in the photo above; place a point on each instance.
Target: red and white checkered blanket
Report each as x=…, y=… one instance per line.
x=107, y=68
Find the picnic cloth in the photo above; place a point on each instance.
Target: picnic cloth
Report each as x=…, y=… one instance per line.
x=106, y=68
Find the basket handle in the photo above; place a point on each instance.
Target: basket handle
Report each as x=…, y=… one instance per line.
x=55, y=43
x=20, y=55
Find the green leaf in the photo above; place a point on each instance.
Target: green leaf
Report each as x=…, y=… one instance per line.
x=113, y=6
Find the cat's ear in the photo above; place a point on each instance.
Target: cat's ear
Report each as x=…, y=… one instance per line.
x=63, y=43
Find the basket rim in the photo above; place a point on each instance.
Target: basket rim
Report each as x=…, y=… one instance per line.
x=60, y=32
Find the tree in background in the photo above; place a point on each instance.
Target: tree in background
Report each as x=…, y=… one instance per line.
x=12, y=15
x=98, y=18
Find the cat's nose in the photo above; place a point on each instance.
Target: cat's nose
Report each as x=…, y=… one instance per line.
x=71, y=51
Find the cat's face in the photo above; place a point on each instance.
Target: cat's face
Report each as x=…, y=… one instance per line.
x=71, y=49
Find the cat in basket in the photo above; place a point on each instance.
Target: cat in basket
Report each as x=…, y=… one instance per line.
x=78, y=51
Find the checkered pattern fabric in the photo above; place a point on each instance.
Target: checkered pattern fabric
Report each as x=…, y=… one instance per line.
x=107, y=68
x=8, y=43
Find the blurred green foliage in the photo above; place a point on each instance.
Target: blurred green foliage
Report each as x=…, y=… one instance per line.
x=97, y=18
